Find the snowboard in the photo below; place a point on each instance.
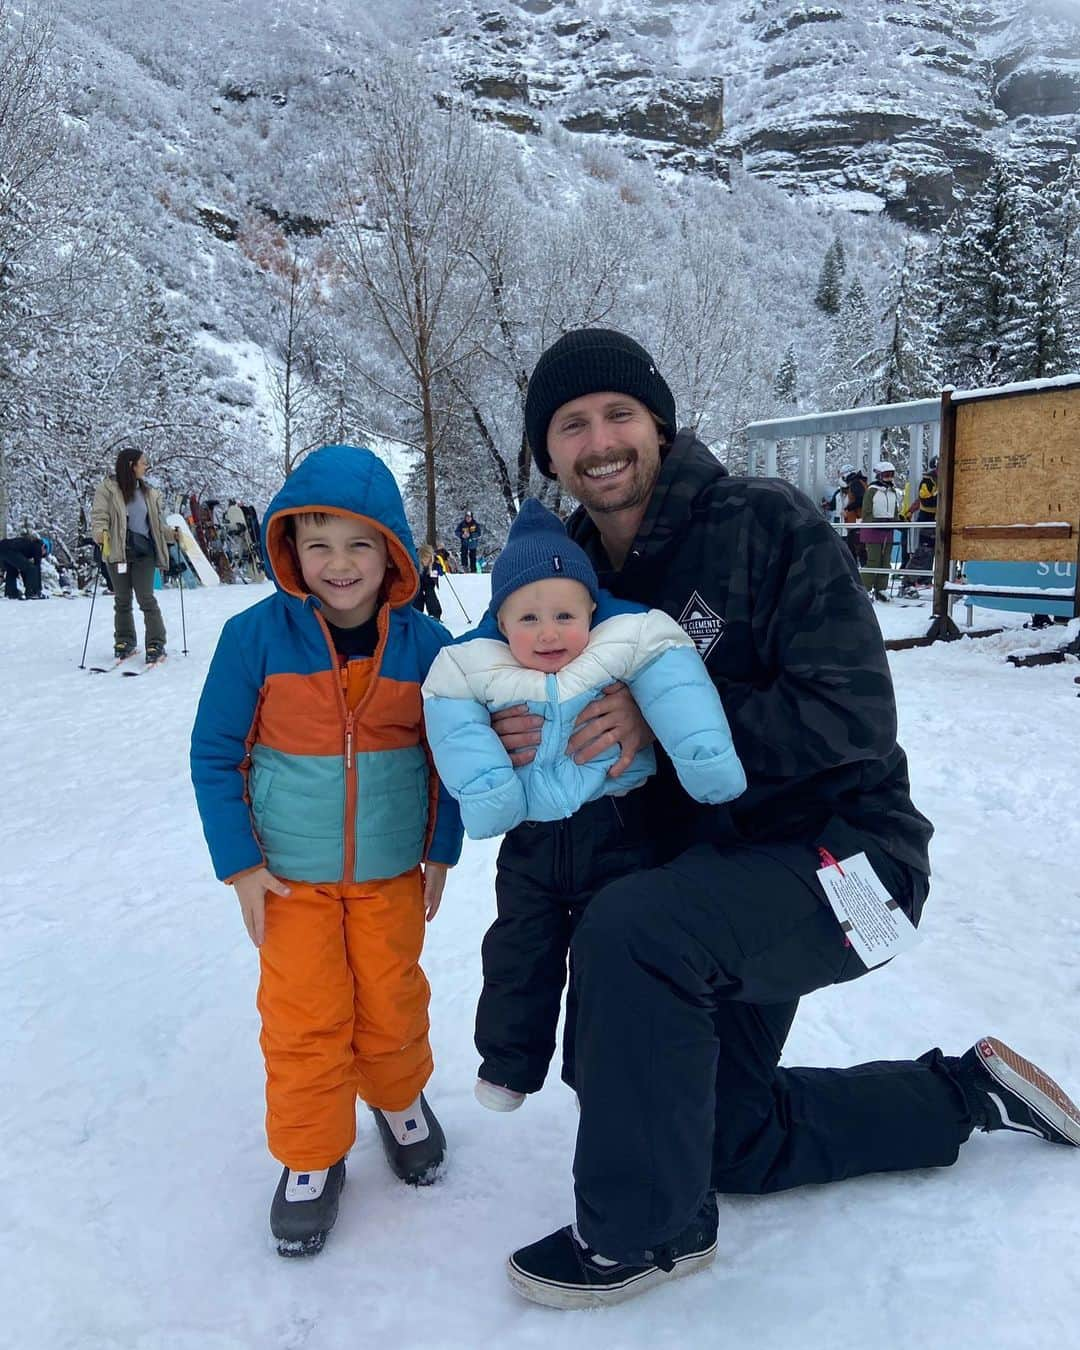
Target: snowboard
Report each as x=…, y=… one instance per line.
x=192, y=552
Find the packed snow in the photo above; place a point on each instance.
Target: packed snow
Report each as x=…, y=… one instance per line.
x=137, y=1184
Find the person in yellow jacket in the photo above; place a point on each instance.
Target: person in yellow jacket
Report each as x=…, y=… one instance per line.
x=128, y=525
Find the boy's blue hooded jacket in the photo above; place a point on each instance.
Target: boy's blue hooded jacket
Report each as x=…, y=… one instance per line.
x=285, y=775
x=646, y=649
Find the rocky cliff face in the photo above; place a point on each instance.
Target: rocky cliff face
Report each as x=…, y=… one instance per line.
x=528, y=62
x=877, y=105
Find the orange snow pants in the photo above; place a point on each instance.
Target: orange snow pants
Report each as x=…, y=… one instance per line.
x=344, y=1007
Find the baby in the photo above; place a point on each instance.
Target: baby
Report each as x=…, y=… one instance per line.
x=552, y=640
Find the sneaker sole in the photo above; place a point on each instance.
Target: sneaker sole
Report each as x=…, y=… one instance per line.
x=552, y=1294
x=1048, y=1101
x=497, y=1099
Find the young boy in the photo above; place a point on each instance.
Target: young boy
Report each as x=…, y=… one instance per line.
x=552, y=640
x=320, y=808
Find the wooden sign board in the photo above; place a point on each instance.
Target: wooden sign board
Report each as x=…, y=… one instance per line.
x=1015, y=470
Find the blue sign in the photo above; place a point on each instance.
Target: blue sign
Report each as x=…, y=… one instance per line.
x=1053, y=575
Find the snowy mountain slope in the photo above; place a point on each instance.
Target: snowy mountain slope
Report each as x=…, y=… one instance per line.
x=905, y=103
x=221, y=116
x=136, y=1180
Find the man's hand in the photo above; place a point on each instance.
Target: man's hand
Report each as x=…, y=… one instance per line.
x=612, y=719
x=519, y=731
x=434, y=881
x=251, y=892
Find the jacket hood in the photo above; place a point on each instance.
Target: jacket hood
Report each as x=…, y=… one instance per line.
x=342, y=480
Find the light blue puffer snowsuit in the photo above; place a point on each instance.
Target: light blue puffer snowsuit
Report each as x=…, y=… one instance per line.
x=646, y=649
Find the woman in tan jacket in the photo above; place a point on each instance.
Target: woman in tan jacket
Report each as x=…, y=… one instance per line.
x=128, y=524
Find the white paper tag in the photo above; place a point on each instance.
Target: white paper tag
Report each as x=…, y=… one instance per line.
x=872, y=920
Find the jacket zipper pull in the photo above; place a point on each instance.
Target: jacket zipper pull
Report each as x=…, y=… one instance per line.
x=348, y=742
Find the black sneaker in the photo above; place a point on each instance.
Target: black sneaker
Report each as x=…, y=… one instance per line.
x=305, y=1208
x=155, y=651
x=563, y=1271
x=413, y=1142
x=1015, y=1094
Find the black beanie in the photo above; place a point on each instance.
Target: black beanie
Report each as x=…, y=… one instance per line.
x=591, y=361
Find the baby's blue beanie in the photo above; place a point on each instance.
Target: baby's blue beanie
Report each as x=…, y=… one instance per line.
x=539, y=549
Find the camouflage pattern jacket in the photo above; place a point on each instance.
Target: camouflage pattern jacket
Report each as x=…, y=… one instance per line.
x=765, y=587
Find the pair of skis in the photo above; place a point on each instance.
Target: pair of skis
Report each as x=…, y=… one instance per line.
x=123, y=661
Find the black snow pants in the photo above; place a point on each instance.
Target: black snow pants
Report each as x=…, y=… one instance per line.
x=427, y=597
x=21, y=558
x=546, y=875
x=687, y=979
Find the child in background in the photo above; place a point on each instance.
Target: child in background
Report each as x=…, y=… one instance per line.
x=311, y=716
x=553, y=641
x=427, y=597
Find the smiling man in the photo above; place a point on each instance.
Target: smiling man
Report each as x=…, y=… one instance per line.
x=688, y=974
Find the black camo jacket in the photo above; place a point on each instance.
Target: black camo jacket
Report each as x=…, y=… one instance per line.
x=764, y=585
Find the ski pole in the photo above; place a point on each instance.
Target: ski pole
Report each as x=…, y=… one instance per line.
x=446, y=578
x=180, y=582
x=90, y=620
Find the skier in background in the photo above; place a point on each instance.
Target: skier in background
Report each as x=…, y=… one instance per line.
x=881, y=503
x=22, y=558
x=127, y=522
x=855, y=481
x=427, y=597
x=468, y=531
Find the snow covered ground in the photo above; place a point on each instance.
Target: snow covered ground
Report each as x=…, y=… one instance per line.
x=136, y=1183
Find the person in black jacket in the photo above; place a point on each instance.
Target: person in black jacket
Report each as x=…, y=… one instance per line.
x=22, y=557
x=689, y=973
x=427, y=597
x=468, y=530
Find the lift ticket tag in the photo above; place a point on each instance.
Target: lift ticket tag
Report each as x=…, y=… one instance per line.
x=871, y=919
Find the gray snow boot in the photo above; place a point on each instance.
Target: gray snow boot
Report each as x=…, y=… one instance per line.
x=305, y=1208
x=413, y=1142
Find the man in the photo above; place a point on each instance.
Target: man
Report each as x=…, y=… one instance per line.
x=468, y=531
x=688, y=975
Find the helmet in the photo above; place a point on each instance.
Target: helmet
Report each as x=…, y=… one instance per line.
x=932, y=466
x=848, y=470
x=883, y=466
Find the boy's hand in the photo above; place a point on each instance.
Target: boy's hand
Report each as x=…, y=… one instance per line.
x=612, y=719
x=434, y=881
x=251, y=892
x=519, y=731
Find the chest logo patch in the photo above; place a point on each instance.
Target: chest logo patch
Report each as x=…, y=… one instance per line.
x=702, y=625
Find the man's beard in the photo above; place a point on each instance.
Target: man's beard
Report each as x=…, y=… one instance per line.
x=596, y=500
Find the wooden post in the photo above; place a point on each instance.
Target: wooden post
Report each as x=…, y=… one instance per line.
x=941, y=625
x=1076, y=585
